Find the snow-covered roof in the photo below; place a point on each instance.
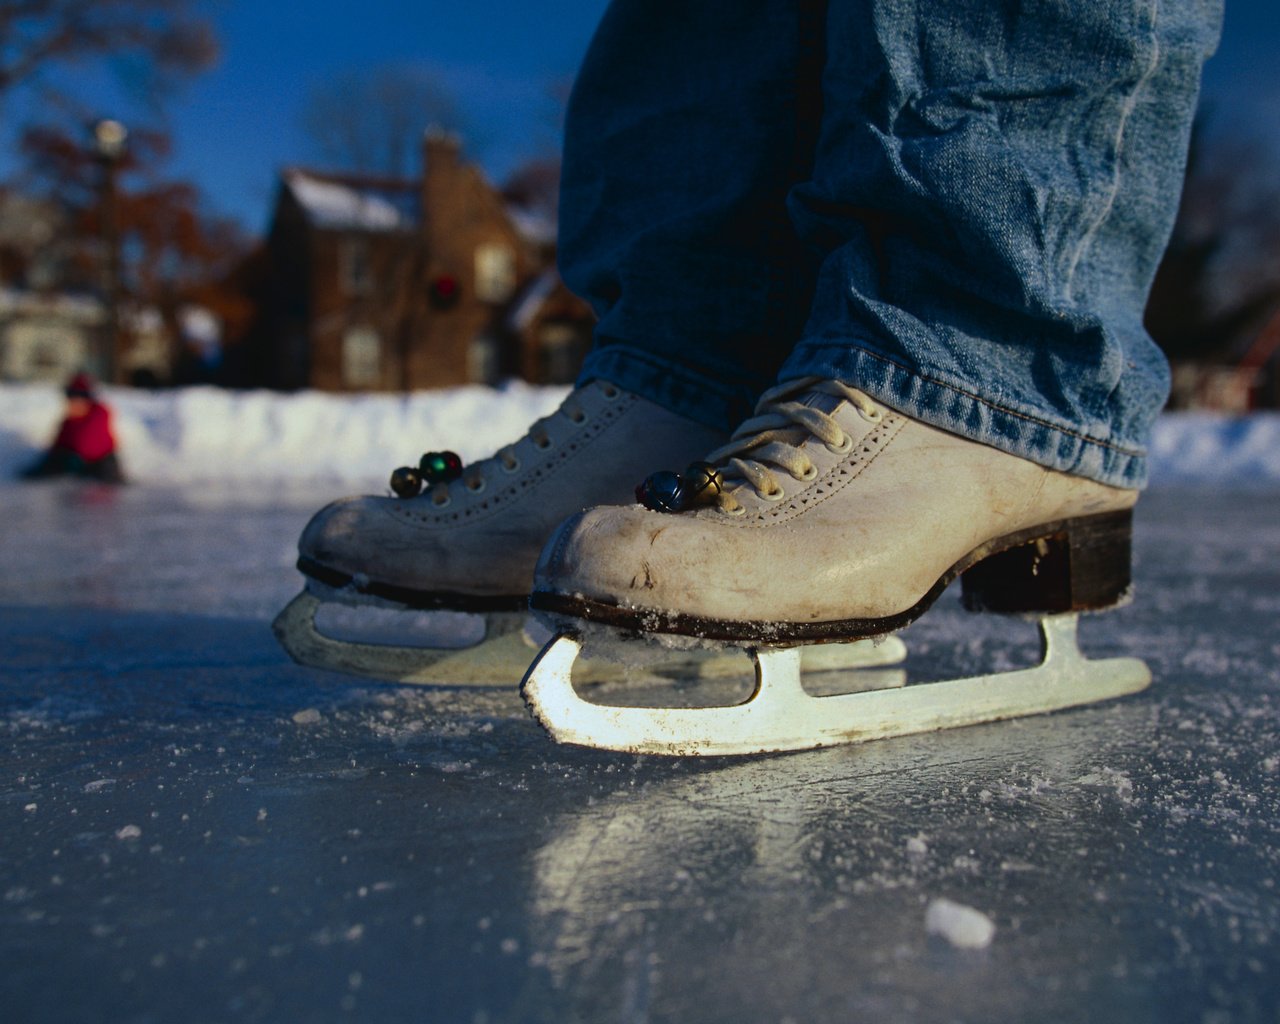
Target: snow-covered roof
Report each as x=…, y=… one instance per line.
x=338, y=205
x=19, y=302
x=532, y=225
x=531, y=299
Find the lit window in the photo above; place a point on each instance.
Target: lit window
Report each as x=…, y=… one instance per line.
x=482, y=360
x=361, y=358
x=495, y=273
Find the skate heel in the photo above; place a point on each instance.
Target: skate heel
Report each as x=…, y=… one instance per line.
x=1083, y=565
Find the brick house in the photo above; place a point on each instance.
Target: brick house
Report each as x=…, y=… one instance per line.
x=391, y=284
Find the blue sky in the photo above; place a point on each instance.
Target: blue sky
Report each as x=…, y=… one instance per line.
x=235, y=126
x=241, y=122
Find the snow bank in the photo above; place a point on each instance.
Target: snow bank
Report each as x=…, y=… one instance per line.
x=206, y=434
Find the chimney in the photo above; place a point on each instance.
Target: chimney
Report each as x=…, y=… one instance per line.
x=441, y=180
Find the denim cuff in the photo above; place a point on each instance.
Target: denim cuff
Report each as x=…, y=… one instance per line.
x=680, y=389
x=951, y=408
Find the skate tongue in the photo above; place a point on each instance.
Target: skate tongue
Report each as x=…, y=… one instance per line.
x=820, y=400
x=752, y=458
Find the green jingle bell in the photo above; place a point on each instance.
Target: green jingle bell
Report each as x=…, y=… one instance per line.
x=702, y=483
x=406, y=482
x=440, y=467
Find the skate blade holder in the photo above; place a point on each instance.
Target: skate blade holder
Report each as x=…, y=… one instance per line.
x=497, y=659
x=780, y=715
x=500, y=656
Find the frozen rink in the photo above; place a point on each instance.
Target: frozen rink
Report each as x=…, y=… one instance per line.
x=195, y=829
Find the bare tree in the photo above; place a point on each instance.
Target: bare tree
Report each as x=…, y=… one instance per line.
x=163, y=39
x=373, y=122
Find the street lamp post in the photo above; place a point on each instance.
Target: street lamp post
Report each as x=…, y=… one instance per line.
x=110, y=138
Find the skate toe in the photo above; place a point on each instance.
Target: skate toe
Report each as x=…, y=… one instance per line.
x=339, y=535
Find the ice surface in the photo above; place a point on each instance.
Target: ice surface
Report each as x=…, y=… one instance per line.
x=201, y=434
x=297, y=829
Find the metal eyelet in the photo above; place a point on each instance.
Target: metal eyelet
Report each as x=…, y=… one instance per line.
x=439, y=503
x=513, y=468
x=476, y=486
x=844, y=448
x=809, y=475
x=578, y=420
x=777, y=494
x=610, y=392
x=737, y=512
x=543, y=445
x=874, y=416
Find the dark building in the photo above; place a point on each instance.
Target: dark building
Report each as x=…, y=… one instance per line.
x=389, y=284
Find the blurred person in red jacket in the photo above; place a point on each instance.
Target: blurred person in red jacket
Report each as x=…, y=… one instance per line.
x=84, y=445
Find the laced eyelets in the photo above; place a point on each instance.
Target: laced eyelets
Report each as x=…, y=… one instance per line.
x=512, y=467
x=737, y=511
x=543, y=444
x=843, y=448
x=610, y=392
x=476, y=486
x=872, y=416
x=777, y=494
x=809, y=475
x=441, y=500
x=578, y=420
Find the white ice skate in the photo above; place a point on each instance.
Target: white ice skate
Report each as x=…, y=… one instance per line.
x=431, y=586
x=838, y=519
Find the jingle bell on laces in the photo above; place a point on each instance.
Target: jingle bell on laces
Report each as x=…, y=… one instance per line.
x=665, y=491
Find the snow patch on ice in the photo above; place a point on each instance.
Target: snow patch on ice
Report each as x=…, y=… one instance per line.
x=962, y=926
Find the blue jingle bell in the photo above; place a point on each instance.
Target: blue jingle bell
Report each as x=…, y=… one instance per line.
x=662, y=492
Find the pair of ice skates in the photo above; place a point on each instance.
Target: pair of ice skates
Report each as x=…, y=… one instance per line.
x=826, y=523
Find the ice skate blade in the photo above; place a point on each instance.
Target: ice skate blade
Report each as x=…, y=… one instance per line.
x=497, y=660
x=500, y=659
x=780, y=715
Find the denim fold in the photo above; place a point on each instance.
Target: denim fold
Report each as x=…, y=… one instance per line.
x=957, y=207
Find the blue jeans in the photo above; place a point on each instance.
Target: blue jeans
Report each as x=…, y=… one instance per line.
x=956, y=206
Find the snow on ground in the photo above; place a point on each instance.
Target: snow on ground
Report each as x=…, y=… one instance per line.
x=201, y=434
x=207, y=434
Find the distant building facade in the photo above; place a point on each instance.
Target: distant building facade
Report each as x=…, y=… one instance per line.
x=53, y=319
x=388, y=284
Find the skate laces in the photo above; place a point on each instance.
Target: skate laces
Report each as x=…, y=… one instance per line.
x=475, y=478
x=772, y=439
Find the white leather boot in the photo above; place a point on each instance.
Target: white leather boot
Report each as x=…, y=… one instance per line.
x=840, y=518
x=470, y=544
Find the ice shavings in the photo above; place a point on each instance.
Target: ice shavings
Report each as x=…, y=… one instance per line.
x=962, y=926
